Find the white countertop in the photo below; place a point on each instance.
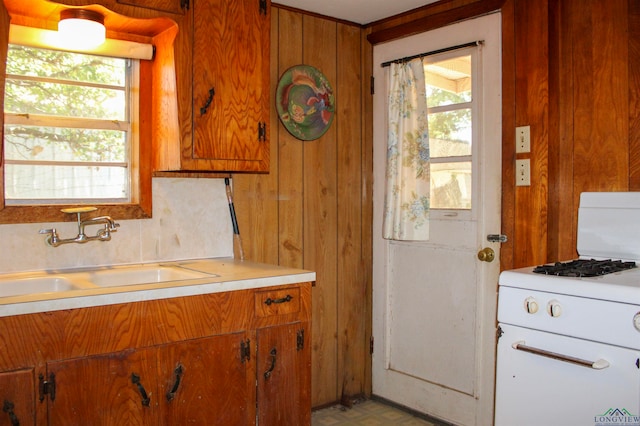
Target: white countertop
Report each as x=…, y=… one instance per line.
x=230, y=275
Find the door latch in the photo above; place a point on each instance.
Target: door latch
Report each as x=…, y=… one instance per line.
x=497, y=238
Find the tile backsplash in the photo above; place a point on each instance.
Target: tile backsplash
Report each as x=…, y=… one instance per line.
x=190, y=220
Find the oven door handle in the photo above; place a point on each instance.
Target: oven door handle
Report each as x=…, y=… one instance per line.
x=596, y=365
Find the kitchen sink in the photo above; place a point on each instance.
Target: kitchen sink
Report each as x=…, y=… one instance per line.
x=125, y=276
x=37, y=285
x=23, y=284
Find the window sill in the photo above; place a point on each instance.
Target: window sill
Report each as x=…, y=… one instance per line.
x=52, y=213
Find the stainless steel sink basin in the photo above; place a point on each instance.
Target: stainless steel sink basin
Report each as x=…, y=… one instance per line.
x=125, y=276
x=36, y=285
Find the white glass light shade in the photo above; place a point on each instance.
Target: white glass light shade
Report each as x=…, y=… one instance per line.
x=79, y=28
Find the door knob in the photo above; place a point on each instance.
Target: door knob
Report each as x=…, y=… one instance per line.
x=486, y=254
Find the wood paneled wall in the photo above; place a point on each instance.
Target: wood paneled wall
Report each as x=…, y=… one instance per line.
x=313, y=209
x=571, y=71
x=573, y=79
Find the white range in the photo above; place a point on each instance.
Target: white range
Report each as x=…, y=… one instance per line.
x=569, y=345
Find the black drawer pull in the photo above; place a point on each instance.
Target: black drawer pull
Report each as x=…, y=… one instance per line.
x=176, y=384
x=273, y=353
x=135, y=379
x=8, y=408
x=285, y=299
x=207, y=103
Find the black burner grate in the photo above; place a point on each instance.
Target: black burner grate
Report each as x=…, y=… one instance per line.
x=584, y=268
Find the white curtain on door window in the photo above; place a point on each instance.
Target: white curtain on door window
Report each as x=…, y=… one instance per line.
x=406, y=207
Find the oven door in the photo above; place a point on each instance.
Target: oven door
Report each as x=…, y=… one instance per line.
x=549, y=379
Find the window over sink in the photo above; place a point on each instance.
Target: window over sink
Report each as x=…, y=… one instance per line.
x=70, y=127
x=127, y=170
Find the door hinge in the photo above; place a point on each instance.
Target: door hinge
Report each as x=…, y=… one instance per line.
x=371, y=345
x=47, y=387
x=262, y=131
x=638, y=362
x=373, y=85
x=300, y=340
x=184, y=4
x=499, y=333
x=263, y=7
x=245, y=350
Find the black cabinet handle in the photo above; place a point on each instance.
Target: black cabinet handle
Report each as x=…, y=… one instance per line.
x=176, y=384
x=269, y=301
x=135, y=379
x=8, y=407
x=267, y=373
x=207, y=103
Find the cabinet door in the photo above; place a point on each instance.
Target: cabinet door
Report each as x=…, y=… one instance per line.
x=207, y=382
x=284, y=375
x=17, y=396
x=113, y=389
x=231, y=84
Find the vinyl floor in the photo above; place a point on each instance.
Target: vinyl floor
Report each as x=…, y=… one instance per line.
x=365, y=413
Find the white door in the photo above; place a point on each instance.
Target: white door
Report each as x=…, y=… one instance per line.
x=435, y=302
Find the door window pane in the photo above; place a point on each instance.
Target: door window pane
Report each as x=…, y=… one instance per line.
x=450, y=133
x=451, y=185
x=449, y=85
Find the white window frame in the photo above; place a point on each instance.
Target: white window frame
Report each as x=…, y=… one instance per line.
x=474, y=105
x=130, y=126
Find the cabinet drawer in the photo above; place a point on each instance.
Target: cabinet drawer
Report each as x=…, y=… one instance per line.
x=277, y=302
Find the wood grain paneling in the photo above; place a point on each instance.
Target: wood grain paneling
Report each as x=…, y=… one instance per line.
x=314, y=216
x=351, y=324
x=634, y=95
x=591, y=145
x=291, y=169
x=508, y=136
x=532, y=102
x=429, y=17
x=321, y=214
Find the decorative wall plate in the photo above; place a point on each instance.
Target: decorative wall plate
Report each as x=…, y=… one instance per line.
x=305, y=102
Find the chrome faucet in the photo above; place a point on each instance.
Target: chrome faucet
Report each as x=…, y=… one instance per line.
x=103, y=234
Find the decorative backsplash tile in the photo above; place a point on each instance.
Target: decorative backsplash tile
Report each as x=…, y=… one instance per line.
x=190, y=220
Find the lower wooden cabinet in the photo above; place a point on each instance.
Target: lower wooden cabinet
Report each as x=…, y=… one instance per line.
x=181, y=383
x=284, y=364
x=206, y=381
x=200, y=360
x=98, y=389
x=17, y=395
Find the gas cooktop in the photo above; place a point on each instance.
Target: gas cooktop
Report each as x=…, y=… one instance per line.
x=584, y=268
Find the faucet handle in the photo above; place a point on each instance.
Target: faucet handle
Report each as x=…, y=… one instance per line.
x=52, y=239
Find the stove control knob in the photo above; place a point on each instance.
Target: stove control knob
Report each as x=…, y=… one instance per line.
x=530, y=305
x=554, y=309
x=636, y=321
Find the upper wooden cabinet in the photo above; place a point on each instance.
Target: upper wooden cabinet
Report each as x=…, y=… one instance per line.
x=215, y=79
x=223, y=89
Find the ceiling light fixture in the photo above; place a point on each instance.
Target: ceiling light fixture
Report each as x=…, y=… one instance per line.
x=81, y=28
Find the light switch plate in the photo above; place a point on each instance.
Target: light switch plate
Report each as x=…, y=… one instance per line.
x=523, y=172
x=523, y=139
